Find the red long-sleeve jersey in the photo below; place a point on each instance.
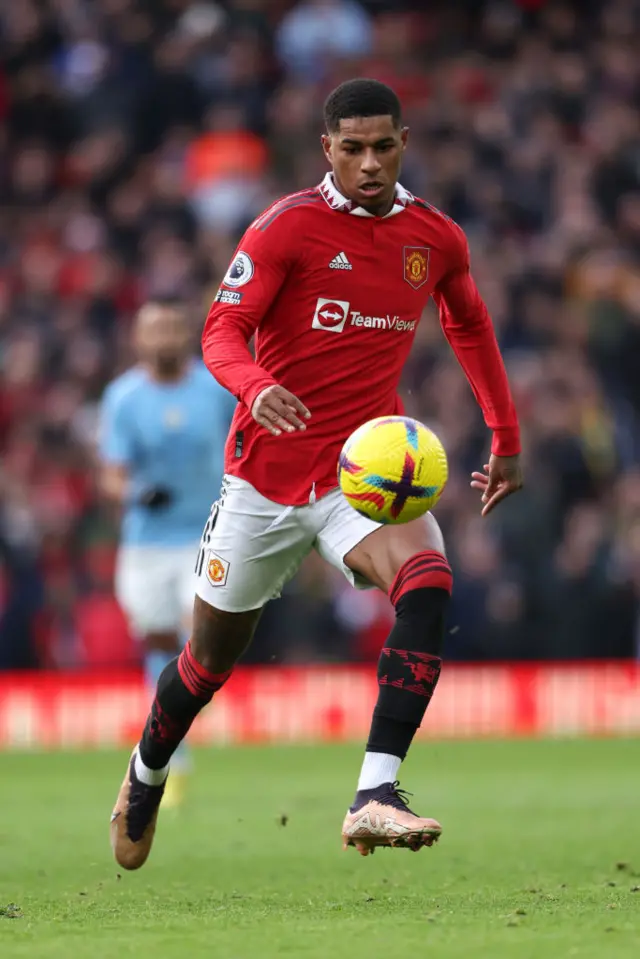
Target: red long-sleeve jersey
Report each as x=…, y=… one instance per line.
x=334, y=295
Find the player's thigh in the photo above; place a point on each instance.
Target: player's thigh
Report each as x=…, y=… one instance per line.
x=250, y=548
x=341, y=528
x=369, y=553
x=145, y=586
x=186, y=583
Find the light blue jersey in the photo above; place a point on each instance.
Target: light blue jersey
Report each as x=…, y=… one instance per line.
x=168, y=435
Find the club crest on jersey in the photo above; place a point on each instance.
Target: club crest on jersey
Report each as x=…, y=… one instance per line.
x=217, y=569
x=240, y=271
x=173, y=418
x=416, y=265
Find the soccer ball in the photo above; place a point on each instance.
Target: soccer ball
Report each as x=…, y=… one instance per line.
x=392, y=469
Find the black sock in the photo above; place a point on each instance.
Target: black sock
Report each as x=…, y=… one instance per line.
x=184, y=688
x=408, y=669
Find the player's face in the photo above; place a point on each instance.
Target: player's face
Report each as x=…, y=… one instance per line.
x=366, y=155
x=163, y=338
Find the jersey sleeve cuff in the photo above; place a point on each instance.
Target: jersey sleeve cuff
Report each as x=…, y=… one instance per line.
x=249, y=394
x=506, y=441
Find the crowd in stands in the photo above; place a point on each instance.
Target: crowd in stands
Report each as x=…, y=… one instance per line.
x=139, y=139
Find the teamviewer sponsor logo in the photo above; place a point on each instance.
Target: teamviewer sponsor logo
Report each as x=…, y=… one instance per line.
x=387, y=322
x=330, y=315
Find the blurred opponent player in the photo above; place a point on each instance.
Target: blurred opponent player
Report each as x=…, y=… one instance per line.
x=162, y=440
x=332, y=281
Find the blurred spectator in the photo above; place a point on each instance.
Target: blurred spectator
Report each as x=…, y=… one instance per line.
x=224, y=168
x=315, y=32
x=137, y=141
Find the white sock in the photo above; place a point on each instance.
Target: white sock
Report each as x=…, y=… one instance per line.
x=378, y=768
x=150, y=777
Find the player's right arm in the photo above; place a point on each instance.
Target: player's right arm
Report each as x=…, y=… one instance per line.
x=115, y=448
x=114, y=482
x=117, y=453
x=257, y=272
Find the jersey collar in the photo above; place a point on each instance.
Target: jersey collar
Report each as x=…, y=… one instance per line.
x=332, y=196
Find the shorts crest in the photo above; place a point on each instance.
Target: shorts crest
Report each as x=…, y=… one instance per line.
x=217, y=569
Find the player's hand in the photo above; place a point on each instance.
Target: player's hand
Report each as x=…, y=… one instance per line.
x=502, y=476
x=279, y=410
x=156, y=497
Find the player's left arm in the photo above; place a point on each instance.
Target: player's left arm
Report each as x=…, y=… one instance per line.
x=467, y=326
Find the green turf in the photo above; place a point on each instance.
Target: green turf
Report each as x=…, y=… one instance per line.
x=540, y=859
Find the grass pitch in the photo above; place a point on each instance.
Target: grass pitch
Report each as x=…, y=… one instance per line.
x=540, y=858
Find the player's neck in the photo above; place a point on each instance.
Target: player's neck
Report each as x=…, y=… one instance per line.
x=380, y=210
x=383, y=209
x=166, y=375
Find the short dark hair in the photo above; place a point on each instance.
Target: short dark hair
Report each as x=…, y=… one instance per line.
x=167, y=301
x=360, y=98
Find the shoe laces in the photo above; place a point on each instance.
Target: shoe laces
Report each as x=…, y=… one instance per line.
x=143, y=802
x=399, y=798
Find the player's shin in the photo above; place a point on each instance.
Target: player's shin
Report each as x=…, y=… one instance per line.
x=408, y=669
x=155, y=661
x=184, y=688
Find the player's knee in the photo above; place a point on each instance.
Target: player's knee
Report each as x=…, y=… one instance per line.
x=427, y=569
x=392, y=549
x=219, y=638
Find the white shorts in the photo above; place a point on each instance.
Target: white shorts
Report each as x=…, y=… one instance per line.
x=156, y=586
x=252, y=546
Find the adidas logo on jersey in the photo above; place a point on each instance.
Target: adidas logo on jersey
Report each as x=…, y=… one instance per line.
x=340, y=262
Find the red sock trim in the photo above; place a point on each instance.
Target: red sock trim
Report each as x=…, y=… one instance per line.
x=426, y=569
x=198, y=680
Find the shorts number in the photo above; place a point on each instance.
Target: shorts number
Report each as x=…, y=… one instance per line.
x=208, y=529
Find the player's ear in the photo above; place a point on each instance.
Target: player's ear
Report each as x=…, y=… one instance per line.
x=325, y=139
x=404, y=137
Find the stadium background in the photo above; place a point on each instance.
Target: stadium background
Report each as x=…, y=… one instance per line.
x=138, y=139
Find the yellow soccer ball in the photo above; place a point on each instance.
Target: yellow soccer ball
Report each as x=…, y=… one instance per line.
x=392, y=469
